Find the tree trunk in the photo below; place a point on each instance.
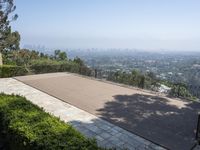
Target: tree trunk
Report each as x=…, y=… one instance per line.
x=1, y=59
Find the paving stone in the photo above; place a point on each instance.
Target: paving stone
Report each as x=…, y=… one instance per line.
x=118, y=129
x=110, y=145
x=120, y=135
x=114, y=140
x=105, y=135
x=105, y=127
x=95, y=129
x=142, y=147
x=89, y=133
x=129, y=147
x=134, y=143
x=99, y=138
x=113, y=131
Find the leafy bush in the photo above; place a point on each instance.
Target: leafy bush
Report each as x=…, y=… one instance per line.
x=44, y=66
x=10, y=71
x=181, y=90
x=48, y=65
x=69, y=66
x=43, y=63
x=25, y=126
x=135, y=78
x=84, y=70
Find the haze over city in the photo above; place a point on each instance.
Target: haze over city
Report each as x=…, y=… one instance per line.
x=144, y=24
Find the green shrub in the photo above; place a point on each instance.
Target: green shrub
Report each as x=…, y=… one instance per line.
x=25, y=126
x=47, y=66
x=69, y=66
x=10, y=71
x=84, y=70
x=44, y=66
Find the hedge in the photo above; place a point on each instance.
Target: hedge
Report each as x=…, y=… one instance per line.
x=10, y=71
x=48, y=66
x=25, y=126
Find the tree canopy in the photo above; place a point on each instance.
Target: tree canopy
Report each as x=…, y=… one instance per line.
x=8, y=40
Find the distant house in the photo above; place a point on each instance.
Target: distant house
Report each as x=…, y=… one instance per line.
x=164, y=89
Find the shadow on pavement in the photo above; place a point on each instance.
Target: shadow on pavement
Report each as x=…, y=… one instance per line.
x=154, y=118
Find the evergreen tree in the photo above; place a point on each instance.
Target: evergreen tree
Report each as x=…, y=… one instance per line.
x=8, y=40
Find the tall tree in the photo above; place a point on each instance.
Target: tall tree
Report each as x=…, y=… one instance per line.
x=59, y=55
x=8, y=40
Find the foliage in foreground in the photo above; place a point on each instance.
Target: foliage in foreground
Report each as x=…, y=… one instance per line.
x=25, y=126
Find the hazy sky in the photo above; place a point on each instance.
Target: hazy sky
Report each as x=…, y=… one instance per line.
x=145, y=24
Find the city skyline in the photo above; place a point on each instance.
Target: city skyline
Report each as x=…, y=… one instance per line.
x=133, y=24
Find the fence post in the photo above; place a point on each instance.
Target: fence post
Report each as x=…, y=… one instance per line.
x=1, y=59
x=95, y=73
x=198, y=130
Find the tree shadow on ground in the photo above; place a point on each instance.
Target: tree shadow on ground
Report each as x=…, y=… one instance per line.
x=154, y=118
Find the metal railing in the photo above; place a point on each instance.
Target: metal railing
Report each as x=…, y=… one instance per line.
x=197, y=138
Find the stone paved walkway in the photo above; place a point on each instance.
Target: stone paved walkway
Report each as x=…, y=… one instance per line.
x=107, y=134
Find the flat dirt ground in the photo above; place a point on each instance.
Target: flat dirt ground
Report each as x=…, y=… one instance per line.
x=168, y=122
